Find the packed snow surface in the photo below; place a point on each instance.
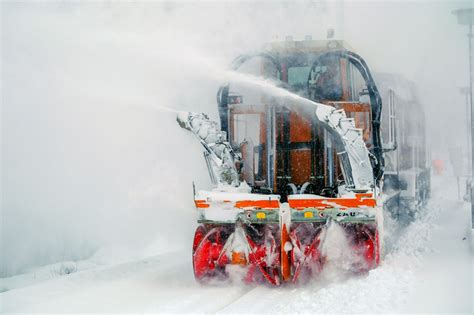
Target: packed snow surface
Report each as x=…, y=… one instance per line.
x=426, y=268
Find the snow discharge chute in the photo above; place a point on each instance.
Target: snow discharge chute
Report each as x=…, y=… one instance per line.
x=285, y=167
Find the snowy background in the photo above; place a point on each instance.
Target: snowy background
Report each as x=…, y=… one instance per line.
x=96, y=174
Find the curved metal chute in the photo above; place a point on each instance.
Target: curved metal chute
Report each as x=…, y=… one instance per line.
x=375, y=101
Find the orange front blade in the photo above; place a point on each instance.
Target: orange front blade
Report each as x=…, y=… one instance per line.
x=285, y=258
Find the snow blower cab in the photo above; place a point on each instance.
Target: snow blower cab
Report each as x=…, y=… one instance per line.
x=298, y=150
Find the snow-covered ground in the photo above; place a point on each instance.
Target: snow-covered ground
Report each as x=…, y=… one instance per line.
x=427, y=267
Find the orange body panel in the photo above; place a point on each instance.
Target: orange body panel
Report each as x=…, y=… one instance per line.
x=361, y=200
x=259, y=204
x=285, y=259
x=300, y=128
x=262, y=204
x=238, y=259
x=350, y=107
x=300, y=131
x=201, y=204
x=300, y=166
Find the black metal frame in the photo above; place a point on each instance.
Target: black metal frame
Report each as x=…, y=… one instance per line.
x=317, y=180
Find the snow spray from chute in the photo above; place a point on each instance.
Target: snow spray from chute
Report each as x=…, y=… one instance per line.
x=219, y=73
x=153, y=108
x=165, y=109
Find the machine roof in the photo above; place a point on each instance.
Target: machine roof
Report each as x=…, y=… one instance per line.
x=310, y=46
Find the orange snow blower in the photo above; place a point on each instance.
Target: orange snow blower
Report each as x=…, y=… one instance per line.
x=293, y=154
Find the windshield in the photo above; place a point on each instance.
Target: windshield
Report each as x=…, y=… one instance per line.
x=298, y=77
x=249, y=137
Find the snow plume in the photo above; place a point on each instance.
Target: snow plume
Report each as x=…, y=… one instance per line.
x=336, y=248
x=93, y=156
